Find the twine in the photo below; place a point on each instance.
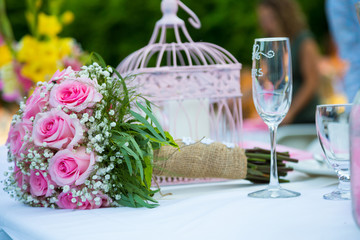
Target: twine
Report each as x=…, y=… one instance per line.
x=200, y=161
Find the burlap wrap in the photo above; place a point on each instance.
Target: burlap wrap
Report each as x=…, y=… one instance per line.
x=200, y=161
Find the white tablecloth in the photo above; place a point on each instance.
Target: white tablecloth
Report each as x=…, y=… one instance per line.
x=202, y=211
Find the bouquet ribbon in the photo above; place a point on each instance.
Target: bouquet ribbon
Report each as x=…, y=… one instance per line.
x=200, y=160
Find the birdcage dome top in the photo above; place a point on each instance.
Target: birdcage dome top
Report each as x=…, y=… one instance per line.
x=160, y=55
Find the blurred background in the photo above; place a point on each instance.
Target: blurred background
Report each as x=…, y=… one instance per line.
x=116, y=28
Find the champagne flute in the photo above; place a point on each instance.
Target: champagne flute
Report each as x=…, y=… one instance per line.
x=272, y=91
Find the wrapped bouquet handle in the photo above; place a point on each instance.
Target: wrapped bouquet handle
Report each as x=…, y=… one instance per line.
x=200, y=160
x=208, y=159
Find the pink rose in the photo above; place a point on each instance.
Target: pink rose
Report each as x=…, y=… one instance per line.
x=39, y=184
x=56, y=129
x=67, y=167
x=75, y=94
x=59, y=76
x=65, y=202
x=35, y=103
x=16, y=137
x=105, y=200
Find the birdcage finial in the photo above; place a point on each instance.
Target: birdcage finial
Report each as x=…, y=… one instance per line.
x=169, y=9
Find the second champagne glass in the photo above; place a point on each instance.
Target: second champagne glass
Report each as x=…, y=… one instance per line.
x=272, y=92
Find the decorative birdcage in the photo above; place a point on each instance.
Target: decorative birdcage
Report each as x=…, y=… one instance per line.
x=195, y=84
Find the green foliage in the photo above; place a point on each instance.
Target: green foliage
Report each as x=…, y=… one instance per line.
x=116, y=28
x=134, y=137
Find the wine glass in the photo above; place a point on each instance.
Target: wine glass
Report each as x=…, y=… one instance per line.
x=272, y=91
x=332, y=126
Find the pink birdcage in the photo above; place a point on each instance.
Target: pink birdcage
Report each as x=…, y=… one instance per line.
x=195, y=84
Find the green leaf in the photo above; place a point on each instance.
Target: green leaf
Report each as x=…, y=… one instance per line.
x=125, y=201
x=5, y=28
x=119, y=138
x=148, y=170
x=126, y=99
x=127, y=160
x=147, y=124
x=171, y=140
x=97, y=58
x=153, y=119
x=136, y=146
x=137, y=161
x=146, y=134
x=144, y=193
x=142, y=203
x=138, y=129
x=131, y=199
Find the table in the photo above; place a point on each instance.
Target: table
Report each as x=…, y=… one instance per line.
x=219, y=210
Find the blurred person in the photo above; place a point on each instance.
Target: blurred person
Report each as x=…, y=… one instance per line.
x=283, y=18
x=332, y=70
x=345, y=29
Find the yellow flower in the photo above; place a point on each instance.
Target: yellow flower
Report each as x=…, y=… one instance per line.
x=28, y=49
x=67, y=17
x=41, y=59
x=5, y=55
x=65, y=47
x=48, y=25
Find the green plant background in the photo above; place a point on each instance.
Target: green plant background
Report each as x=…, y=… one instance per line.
x=116, y=28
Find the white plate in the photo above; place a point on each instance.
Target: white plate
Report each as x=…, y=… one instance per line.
x=313, y=167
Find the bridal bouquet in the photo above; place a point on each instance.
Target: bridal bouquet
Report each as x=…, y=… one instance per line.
x=84, y=140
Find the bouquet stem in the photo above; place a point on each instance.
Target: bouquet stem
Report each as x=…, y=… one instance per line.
x=259, y=165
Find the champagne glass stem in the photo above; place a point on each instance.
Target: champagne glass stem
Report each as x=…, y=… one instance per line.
x=344, y=183
x=274, y=181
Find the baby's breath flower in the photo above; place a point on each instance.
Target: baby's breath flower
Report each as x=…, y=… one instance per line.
x=73, y=115
x=66, y=188
x=105, y=73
